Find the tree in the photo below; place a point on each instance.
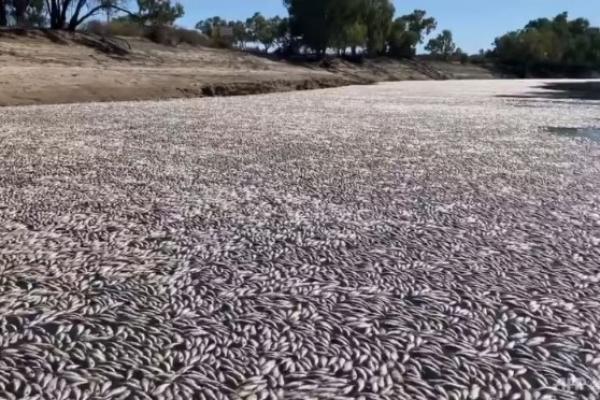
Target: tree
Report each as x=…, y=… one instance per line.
x=263, y=30
x=408, y=31
x=355, y=36
x=210, y=26
x=36, y=13
x=402, y=41
x=240, y=33
x=20, y=11
x=442, y=45
x=268, y=32
x=3, y=13
x=461, y=56
x=378, y=16
x=323, y=24
x=282, y=34
x=239, y=30
x=313, y=21
x=159, y=12
x=555, y=45
x=69, y=14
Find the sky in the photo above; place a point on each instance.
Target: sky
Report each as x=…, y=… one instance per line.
x=474, y=23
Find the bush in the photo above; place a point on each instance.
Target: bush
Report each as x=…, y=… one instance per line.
x=95, y=27
x=191, y=37
x=166, y=35
x=115, y=28
x=125, y=28
x=161, y=35
x=172, y=36
x=221, y=42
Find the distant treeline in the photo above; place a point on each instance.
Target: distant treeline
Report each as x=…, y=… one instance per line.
x=366, y=27
x=357, y=28
x=551, y=47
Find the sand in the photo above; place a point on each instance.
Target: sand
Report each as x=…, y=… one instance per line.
x=47, y=68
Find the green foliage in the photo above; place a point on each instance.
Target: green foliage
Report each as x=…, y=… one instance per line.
x=284, y=38
x=461, y=56
x=352, y=36
x=442, y=46
x=323, y=24
x=70, y=14
x=240, y=33
x=263, y=30
x=377, y=16
x=257, y=28
x=402, y=42
x=159, y=12
x=544, y=43
x=221, y=32
x=408, y=31
x=210, y=26
x=315, y=21
x=225, y=33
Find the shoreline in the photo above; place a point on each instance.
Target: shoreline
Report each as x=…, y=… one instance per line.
x=37, y=67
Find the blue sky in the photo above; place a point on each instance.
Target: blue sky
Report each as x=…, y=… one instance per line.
x=475, y=23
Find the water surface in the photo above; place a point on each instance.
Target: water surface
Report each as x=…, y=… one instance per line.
x=592, y=133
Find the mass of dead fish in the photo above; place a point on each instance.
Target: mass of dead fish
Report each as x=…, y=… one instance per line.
x=416, y=240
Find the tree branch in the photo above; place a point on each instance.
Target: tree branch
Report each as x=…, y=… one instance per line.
x=101, y=7
x=63, y=12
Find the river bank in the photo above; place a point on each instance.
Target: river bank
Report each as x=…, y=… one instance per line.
x=45, y=67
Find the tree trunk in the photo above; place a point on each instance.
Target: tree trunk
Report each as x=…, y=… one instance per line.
x=3, y=16
x=20, y=11
x=353, y=51
x=75, y=21
x=63, y=7
x=58, y=18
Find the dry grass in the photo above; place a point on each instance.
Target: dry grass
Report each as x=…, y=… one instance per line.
x=165, y=35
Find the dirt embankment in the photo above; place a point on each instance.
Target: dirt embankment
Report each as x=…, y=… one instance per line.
x=38, y=67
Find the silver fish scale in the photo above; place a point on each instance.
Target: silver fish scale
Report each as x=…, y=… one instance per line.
x=414, y=240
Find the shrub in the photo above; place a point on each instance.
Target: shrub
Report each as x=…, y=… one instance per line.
x=161, y=35
x=115, y=28
x=125, y=28
x=221, y=42
x=166, y=35
x=464, y=58
x=172, y=36
x=96, y=27
x=191, y=37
